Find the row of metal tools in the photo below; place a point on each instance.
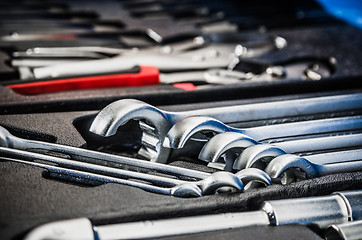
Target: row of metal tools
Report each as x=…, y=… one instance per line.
x=81, y=55
x=279, y=153
x=286, y=141
x=213, y=59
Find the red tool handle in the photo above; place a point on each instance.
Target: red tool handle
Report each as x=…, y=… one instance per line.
x=148, y=75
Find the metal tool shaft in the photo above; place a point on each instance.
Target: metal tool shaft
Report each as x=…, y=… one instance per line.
x=127, y=61
x=152, y=183
x=11, y=141
x=318, y=164
x=323, y=211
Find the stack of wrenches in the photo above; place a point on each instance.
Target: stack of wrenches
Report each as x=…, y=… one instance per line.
x=96, y=167
x=311, y=165
x=342, y=210
x=120, y=112
x=173, y=130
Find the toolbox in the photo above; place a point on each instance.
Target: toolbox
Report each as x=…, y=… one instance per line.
x=128, y=119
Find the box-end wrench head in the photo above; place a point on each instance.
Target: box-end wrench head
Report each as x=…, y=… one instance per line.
x=333, y=162
x=260, y=155
x=186, y=128
x=221, y=143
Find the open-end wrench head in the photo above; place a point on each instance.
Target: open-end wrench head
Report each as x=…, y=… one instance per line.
x=187, y=127
x=254, y=174
x=280, y=164
x=253, y=156
x=120, y=112
x=223, y=142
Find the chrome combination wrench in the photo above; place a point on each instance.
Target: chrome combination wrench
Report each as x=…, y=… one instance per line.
x=315, y=165
x=259, y=155
x=120, y=112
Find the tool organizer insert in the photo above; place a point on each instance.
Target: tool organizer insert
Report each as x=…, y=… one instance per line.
x=166, y=119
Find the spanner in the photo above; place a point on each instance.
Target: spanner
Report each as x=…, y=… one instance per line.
x=257, y=155
x=157, y=184
x=186, y=128
x=120, y=112
x=339, y=207
x=315, y=165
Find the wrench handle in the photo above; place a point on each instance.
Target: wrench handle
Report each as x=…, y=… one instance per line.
x=343, y=167
x=304, y=128
x=148, y=75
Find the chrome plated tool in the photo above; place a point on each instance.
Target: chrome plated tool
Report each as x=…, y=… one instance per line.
x=149, y=182
x=199, y=53
x=258, y=155
x=10, y=141
x=219, y=56
x=340, y=207
x=314, y=165
x=186, y=128
x=107, y=167
x=120, y=112
x=249, y=46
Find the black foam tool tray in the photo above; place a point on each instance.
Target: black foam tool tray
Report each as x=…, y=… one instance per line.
x=30, y=196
